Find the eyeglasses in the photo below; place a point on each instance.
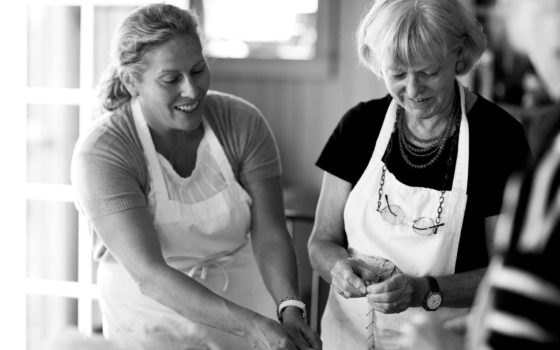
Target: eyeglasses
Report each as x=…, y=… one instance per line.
x=394, y=215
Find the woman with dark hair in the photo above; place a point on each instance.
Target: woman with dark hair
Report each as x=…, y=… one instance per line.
x=182, y=187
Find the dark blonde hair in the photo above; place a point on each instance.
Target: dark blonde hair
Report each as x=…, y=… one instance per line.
x=142, y=30
x=413, y=31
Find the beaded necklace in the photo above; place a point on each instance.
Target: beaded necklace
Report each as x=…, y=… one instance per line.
x=433, y=147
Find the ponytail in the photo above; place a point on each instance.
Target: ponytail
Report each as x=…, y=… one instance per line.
x=112, y=92
x=142, y=30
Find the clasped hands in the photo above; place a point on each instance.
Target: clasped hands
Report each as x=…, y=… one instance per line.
x=387, y=289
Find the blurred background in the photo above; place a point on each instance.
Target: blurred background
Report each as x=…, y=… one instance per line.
x=294, y=59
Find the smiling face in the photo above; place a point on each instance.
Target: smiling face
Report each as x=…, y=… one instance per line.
x=172, y=88
x=424, y=90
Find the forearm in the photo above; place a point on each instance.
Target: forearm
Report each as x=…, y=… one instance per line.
x=194, y=301
x=458, y=290
x=323, y=255
x=277, y=263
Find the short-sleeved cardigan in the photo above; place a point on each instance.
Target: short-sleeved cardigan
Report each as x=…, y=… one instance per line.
x=109, y=173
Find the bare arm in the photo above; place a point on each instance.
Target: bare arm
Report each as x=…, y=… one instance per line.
x=276, y=258
x=327, y=244
x=272, y=244
x=459, y=289
x=131, y=238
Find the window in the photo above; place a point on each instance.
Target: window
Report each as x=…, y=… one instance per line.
x=281, y=39
x=260, y=29
x=58, y=51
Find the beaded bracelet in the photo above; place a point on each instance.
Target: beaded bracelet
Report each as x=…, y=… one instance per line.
x=291, y=301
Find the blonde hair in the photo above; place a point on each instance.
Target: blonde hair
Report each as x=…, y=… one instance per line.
x=140, y=32
x=413, y=31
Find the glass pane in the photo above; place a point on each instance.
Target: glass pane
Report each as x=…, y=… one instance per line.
x=52, y=132
x=53, y=46
x=47, y=316
x=107, y=18
x=52, y=240
x=287, y=29
x=96, y=318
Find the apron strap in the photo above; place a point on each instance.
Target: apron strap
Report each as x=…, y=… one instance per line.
x=460, y=176
x=460, y=179
x=150, y=153
x=218, y=152
x=152, y=160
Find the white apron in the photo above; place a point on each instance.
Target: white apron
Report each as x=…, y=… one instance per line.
x=347, y=323
x=202, y=224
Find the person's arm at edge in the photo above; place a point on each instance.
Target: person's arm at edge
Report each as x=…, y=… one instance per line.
x=138, y=250
x=327, y=243
x=274, y=252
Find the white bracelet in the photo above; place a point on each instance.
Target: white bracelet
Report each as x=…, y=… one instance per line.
x=291, y=302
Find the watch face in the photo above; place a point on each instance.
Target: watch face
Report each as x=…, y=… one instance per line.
x=434, y=301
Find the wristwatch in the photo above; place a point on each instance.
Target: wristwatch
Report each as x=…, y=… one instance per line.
x=434, y=298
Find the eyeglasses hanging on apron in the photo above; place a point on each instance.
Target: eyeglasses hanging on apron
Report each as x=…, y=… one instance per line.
x=415, y=228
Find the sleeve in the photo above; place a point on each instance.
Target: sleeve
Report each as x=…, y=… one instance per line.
x=103, y=176
x=348, y=150
x=246, y=137
x=260, y=158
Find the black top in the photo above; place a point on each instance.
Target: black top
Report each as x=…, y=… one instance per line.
x=497, y=148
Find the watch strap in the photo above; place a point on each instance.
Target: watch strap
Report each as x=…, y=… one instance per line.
x=433, y=291
x=432, y=283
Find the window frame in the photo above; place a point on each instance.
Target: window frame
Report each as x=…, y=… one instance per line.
x=13, y=150
x=322, y=67
x=13, y=146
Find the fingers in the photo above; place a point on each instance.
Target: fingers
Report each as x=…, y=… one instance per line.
x=303, y=337
x=344, y=280
x=393, y=295
x=348, y=290
x=312, y=339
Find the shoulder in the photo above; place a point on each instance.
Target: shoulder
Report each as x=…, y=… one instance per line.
x=111, y=139
x=364, y=117
x=495, y=129
x=224, y=105
x=489, y=116
x=112, y=127
x=232, y=115
x=372, y=110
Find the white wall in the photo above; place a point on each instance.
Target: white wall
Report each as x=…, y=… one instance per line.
x=302, y=114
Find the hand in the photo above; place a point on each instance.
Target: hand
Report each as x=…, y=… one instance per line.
x=300, y=332
x=426, y=331
x=267, y=334
x=393, y=295
x=375, y=270
x=345, y=281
